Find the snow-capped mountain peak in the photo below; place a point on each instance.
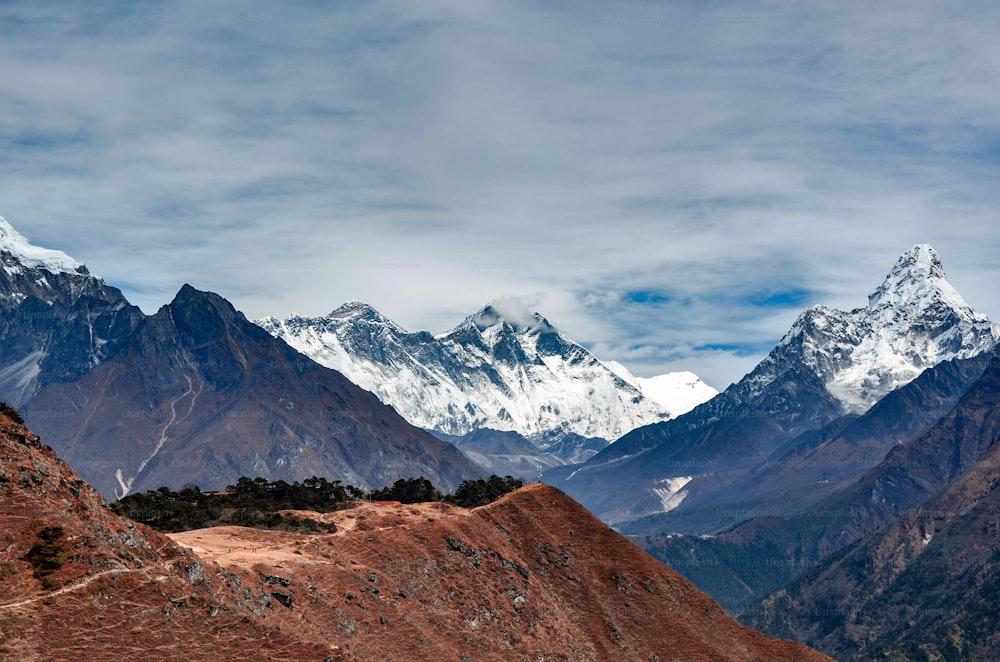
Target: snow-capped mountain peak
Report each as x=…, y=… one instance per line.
x=914, y=320
x=518, y=321
x=351, y=308
x=34, y=257
x=679, y=392
x=57, y=320
x=917, y=281
x=502, y=368
x=359, y=312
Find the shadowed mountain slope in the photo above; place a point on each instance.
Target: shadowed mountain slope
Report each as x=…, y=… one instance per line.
x=57, y=321
x=924, y=587
x=871, y=464
x=199, y=394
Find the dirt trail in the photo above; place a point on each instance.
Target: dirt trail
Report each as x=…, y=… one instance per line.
x=71, y=587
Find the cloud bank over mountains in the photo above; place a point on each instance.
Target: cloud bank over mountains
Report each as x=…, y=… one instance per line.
x=668, y=185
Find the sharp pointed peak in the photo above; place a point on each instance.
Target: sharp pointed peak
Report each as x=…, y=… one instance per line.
x=355, y=309
x=188, y=292
x=189, y=295
x=921, y=260
x=917, y=274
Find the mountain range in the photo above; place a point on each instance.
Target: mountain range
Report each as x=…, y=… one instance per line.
x=504, y=386
x=853, y=469
x=931, y=569
x=831, y=366
x=514, y=395
x=839, y=431
x=198, y=393
x=503, y=370
x=194, y=392
x=815, y=499
x=834, y=511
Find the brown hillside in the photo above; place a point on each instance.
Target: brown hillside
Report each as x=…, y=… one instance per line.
x=532, y=576
x=123, y=590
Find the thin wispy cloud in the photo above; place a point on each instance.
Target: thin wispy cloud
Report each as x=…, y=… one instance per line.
x=670, y=182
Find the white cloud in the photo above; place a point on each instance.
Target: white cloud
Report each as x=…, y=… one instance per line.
x=741, y=160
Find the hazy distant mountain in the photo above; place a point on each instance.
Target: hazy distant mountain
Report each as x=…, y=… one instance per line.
x=199, y=394
x=830, y=364
x=57, y=321
x=679, y=392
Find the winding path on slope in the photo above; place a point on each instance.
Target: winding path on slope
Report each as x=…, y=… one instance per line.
x=73, y=587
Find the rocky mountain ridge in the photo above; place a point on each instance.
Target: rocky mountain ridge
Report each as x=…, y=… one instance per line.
x=924, y=584
x=915, y=319
x=496, y=370
x=913, y=443
x=193, y=391
x=57, y=321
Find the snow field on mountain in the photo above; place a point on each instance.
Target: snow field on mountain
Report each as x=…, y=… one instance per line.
x=488, y=372
x=914, y=320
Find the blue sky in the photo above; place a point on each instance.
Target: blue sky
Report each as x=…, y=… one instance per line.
x=668, y=183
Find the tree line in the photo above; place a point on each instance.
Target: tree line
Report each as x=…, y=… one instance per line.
x=256, y=502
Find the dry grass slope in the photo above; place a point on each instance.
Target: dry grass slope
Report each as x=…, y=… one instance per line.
x=531, y=576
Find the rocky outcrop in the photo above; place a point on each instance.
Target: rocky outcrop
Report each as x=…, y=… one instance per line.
x=57, y=320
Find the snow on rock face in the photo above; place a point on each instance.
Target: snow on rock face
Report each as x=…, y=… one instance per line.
x=488, y=372
x=914, y=320
x=671, y=491
x=34, y=257
x=678, y=392
x=57, y=320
